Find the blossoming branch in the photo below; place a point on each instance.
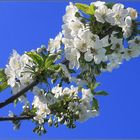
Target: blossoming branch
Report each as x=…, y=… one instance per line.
x=95, y=38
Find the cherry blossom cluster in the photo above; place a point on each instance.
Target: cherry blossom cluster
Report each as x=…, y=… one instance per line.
x=100, y=38
x=95, y=38
x=45, y=103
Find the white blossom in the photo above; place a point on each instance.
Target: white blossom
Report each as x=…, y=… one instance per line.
x=132, y=13
x=127, y=28
x=86, y=94
x=103, y=14
x=71, y=53
x=117, y=44
x=84, y=40
x=70, y=13
x=120, y=14
x=40, y=104
x=98, y=3
x=134, y=48
x=97, y=51
x=16, y=73
x=55, y=44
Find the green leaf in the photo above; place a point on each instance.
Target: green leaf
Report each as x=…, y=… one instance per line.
x=86, y=8
x=52, y=57
x=103, y=93
x=95, y=104
x=48, y=63
x=36, y=58
x=50, y=60
x=54, y=67
x=96, y=69
x=3, y=86
x=96, y=85
x=2, y=75
x=92, y=9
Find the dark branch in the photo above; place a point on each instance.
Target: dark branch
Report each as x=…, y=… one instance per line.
x=20, y=93
x=15, y=118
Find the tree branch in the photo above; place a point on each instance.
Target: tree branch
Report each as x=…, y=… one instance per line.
x=15, y=118
x=20, y=93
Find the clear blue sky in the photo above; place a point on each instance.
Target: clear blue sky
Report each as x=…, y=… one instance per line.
x=25, y=26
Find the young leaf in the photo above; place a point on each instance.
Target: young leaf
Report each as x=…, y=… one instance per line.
x=95, y=104
x=52, y=57
x=96, y=85
x=85, y=8
x=3, y=86
x=36, y=58
x=50, y=60
x=103, y=93
x=92, y=9
x=54, y=67
x=48, y=63
x=2, y=75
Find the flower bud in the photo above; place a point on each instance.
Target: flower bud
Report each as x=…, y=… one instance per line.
x=50, y=121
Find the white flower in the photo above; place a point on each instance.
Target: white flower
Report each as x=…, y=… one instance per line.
x=71, y=28
x=57, y=91
x=128, y=21
x=70, y=13
x=84, y=41
x=40, y=103
x=87, y=95
x=127, y=27
x=98, y=3
x=131, y=53
x=97, y=54
x=132, y=13
x=119, y=14
x=134, y=48
x=71, y=53
x=117, y=44
x=103, y=14
x=85, y=113
x=97, y=51
x=75, y=26
x=115, y=59
x=88, y=56
x=66, y=31
x=54, y=44
x=73, y=90
x=72, y=24
x=14, y=70
x=60, y=92
x=134, y=42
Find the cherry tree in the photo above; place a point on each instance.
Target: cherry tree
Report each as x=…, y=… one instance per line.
x=62, y=75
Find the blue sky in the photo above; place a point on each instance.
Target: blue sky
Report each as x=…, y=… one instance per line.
x=25, y=26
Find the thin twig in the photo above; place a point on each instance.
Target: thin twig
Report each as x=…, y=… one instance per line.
x=20, y=93
x=15, y=118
